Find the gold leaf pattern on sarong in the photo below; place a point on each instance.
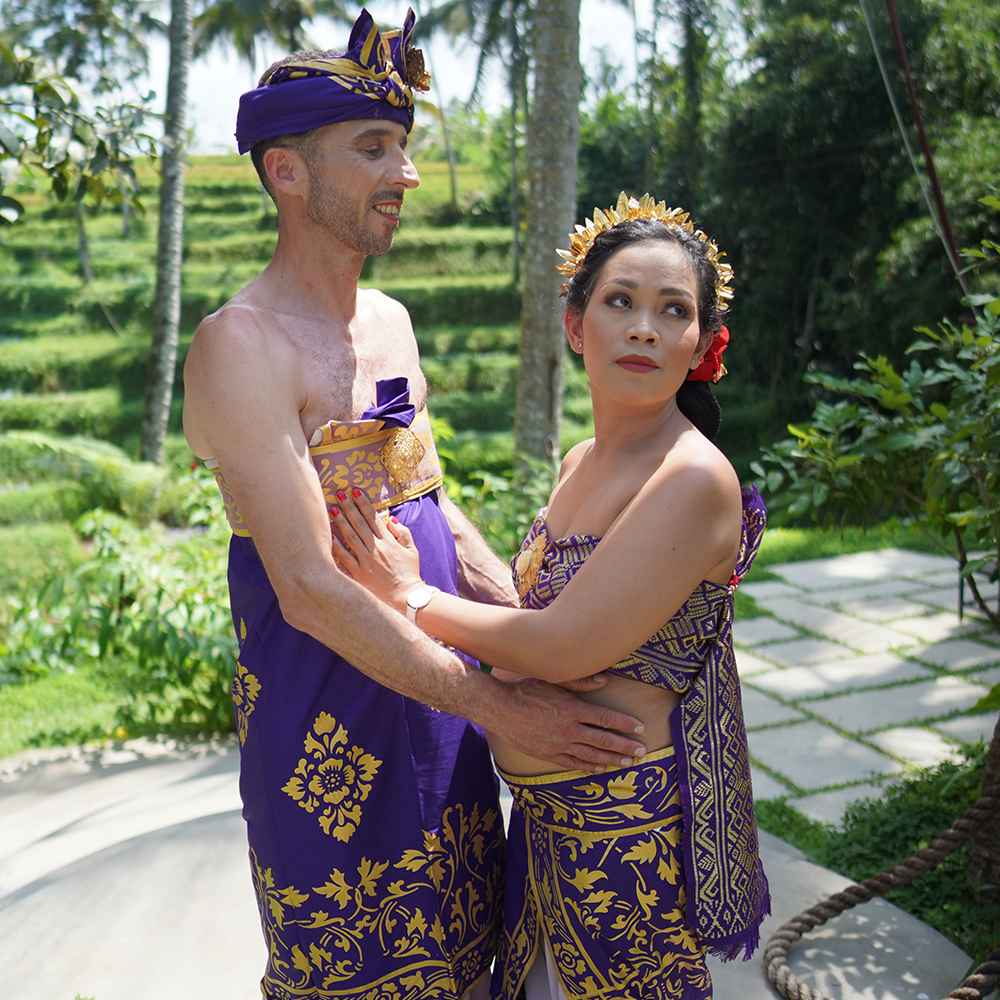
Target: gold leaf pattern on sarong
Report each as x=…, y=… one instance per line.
x=333, y=779
x=323, y=941
x=245, y=689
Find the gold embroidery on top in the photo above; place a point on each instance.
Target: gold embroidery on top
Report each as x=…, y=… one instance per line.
x=245, y=689
x=355, y=919
x=528, y=563
x=332, y=779
x=402, y=455
x=360, y=468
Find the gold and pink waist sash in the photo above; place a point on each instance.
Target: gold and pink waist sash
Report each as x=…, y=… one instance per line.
x=391, y=464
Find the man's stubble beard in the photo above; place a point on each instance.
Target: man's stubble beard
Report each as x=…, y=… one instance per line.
x=338, y=214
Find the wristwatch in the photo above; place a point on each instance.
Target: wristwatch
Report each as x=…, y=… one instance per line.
x=419, y=597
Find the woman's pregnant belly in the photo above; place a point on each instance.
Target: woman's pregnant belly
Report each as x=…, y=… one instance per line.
x=650, y=705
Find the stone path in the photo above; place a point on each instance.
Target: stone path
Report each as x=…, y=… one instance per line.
x=856, y=669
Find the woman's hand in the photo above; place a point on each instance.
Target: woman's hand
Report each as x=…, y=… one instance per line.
x=374, y=550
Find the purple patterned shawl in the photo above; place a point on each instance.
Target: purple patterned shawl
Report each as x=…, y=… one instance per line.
x=692, y=654
x=372, y=79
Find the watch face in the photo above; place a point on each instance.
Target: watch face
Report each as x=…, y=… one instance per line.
x=419, y=596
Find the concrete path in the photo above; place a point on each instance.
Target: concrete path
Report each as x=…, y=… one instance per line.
x=124, y=876
x=856, y=669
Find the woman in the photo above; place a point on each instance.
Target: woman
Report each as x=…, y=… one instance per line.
x=617, y=884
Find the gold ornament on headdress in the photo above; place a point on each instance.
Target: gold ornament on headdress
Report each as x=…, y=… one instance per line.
x=646, y=207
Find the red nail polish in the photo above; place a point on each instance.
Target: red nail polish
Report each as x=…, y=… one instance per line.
x=355, y=493
x=341, y=495
x=334, y=512
x=394, y=519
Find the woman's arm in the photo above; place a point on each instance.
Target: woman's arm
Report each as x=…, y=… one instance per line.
x=675, y=532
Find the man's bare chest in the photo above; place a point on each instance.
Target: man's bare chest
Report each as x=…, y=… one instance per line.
x=339, y=380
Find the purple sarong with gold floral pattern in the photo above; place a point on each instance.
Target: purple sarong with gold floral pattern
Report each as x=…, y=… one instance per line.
x=373, y=820
x=722, y=891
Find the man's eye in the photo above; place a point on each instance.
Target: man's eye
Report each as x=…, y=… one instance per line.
x=374, y=152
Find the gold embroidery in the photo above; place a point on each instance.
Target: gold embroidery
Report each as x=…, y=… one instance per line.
x=595, y=875
x=402, y=455
x=245, y=689
x=528, y=563
x=332, y=779
x=321, y=941
x=361, y=468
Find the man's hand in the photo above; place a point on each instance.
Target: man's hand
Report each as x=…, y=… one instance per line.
x=545, y=721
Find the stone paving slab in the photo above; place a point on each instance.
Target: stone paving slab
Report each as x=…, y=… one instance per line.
x=920, y=747
x=850, y=672
x=800, y=652
x=870, y=589
x=866, y=711
x=766, y=787
x=970, y=728
x=937, y=627
x=768, y=589
x=760, y=710
x=867, y=637
x=959, y=654
x=940, y=597
x=882, y=609
x=814, y=756
x=753, y=631
x=748, y=665
x=860, y=567
x=828, y=807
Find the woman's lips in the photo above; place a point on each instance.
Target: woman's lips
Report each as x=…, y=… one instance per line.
x=635, y=363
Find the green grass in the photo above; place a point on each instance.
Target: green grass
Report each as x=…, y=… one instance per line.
x=877, y=833
x=59, y=710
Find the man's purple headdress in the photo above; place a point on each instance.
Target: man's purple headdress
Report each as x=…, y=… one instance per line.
x=372, y=79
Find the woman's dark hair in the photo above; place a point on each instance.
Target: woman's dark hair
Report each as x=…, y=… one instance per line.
x=694, y=399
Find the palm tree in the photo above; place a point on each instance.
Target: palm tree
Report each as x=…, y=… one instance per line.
x=553, y=138
x=163, y=354
x=241, y=24
x=499, y=30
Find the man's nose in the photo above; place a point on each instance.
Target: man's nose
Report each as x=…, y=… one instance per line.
x=407, y=175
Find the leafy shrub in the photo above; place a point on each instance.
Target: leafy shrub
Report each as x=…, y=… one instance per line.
x=476, y=299
x=110, y=479
x=48, y=501
x=923, y=442
x=90, y=411
x=158, y=609
x=30, y=553
x=57, y=362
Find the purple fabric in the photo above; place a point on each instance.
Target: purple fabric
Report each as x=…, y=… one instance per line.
x=371, y=818
x=295, y=99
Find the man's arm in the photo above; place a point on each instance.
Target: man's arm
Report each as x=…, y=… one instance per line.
x=242, y=407
x=482, y=575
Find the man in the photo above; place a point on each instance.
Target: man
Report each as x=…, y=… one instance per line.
x=371, y=805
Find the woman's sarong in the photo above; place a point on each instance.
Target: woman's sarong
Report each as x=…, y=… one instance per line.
x=373, y=820
x=594, y=868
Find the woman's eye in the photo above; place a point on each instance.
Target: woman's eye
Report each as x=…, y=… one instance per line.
x=619, y=299
x=678, y=310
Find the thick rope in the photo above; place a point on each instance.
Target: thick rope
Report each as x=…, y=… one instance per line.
x=979, y=985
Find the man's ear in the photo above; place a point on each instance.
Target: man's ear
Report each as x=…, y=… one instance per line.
x=286, y=171
x=573, y=328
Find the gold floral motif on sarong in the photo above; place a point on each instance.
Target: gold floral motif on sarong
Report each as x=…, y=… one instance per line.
x=245, y=689
x=323, y=939
x=361, y=468
x=333, y=779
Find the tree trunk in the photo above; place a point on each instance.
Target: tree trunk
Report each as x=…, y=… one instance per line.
x=83, y=244
x=694, y=49
x=163, y=355
x=515, y=93
x=651, y=123
x=984, y=851
x=552, y=141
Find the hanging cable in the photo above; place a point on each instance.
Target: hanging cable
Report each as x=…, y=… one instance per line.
x=947, y=241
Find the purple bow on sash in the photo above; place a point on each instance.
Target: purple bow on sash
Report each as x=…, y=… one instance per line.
x=392, y=404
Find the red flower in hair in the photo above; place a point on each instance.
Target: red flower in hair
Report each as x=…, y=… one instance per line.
x=711, y=368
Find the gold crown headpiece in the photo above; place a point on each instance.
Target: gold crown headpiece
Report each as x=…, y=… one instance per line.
x=646, y=207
